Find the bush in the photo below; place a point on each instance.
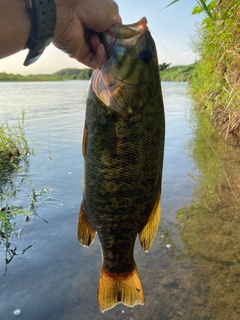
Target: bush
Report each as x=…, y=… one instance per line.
x=216, y=78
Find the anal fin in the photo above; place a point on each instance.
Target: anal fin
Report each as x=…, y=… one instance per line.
x=147, y=234
x=86, y=232
x=114, y=288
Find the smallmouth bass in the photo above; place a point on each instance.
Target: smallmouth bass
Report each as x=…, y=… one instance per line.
x=123, y=146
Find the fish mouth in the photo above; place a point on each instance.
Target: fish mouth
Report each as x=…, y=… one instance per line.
x=109, y=82
x=130, y=30
x=127, y=33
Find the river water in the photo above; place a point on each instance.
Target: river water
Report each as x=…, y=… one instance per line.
x=193, y=268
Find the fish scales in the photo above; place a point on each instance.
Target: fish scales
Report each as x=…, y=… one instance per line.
x=123, y=150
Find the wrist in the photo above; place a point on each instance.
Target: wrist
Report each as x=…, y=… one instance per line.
x=43, y=22
x=26, y=23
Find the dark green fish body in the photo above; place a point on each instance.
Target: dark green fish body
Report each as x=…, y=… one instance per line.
x=123, y=150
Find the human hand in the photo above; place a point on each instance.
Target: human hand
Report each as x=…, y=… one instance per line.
x=73, y=18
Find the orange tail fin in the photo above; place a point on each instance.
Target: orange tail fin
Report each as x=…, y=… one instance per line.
x=114, y=288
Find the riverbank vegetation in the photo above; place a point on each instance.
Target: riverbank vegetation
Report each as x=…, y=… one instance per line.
x=215, y=83
x=176, y=73
x=14, y=154
x=14, y=164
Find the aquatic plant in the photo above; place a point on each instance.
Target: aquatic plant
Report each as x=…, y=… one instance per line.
x=14, y=164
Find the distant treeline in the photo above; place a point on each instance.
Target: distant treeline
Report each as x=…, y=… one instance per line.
x=176, y=73
x=64, y=74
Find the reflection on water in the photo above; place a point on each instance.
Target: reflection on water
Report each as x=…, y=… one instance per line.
x=211, y=224
x=192, y=270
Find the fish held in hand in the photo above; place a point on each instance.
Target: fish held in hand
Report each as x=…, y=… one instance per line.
x=123, y=145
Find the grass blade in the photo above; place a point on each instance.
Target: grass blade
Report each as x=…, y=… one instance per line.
x=202, y=4
x=168, y=5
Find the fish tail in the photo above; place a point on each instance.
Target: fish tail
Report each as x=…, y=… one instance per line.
x=114, y=288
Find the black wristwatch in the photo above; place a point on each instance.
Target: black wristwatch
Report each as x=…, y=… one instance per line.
x=43, y=22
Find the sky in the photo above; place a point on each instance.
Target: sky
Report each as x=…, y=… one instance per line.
x=171, y=29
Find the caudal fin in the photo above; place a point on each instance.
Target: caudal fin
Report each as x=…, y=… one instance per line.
x=114, y=288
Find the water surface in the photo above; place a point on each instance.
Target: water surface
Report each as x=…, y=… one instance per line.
x=193, y=268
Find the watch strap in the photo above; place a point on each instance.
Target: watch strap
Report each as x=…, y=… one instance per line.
x=43, y=21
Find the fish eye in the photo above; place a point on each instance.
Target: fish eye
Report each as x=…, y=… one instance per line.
x=146, y=56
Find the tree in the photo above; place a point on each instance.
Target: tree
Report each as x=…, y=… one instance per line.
x=164, y=66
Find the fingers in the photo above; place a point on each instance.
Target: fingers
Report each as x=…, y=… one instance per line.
x=98, y=49
x=98, y=15
x=96, y=56
x=75, y=18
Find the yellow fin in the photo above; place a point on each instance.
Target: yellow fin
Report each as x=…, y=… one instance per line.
x=114, y=288
x=86, y=233
x=147, y=234
x=84, y=141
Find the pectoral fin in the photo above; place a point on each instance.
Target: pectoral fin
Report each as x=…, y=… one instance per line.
x=147, y=234
x=107, y=88
x=86, y=233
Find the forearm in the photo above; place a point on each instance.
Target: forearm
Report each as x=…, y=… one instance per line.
x=15, y=26
x=73, y=17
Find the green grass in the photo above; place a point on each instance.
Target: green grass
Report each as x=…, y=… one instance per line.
x=215, y=81
x=14, y=158
x=14, y=164
x=14, y=151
